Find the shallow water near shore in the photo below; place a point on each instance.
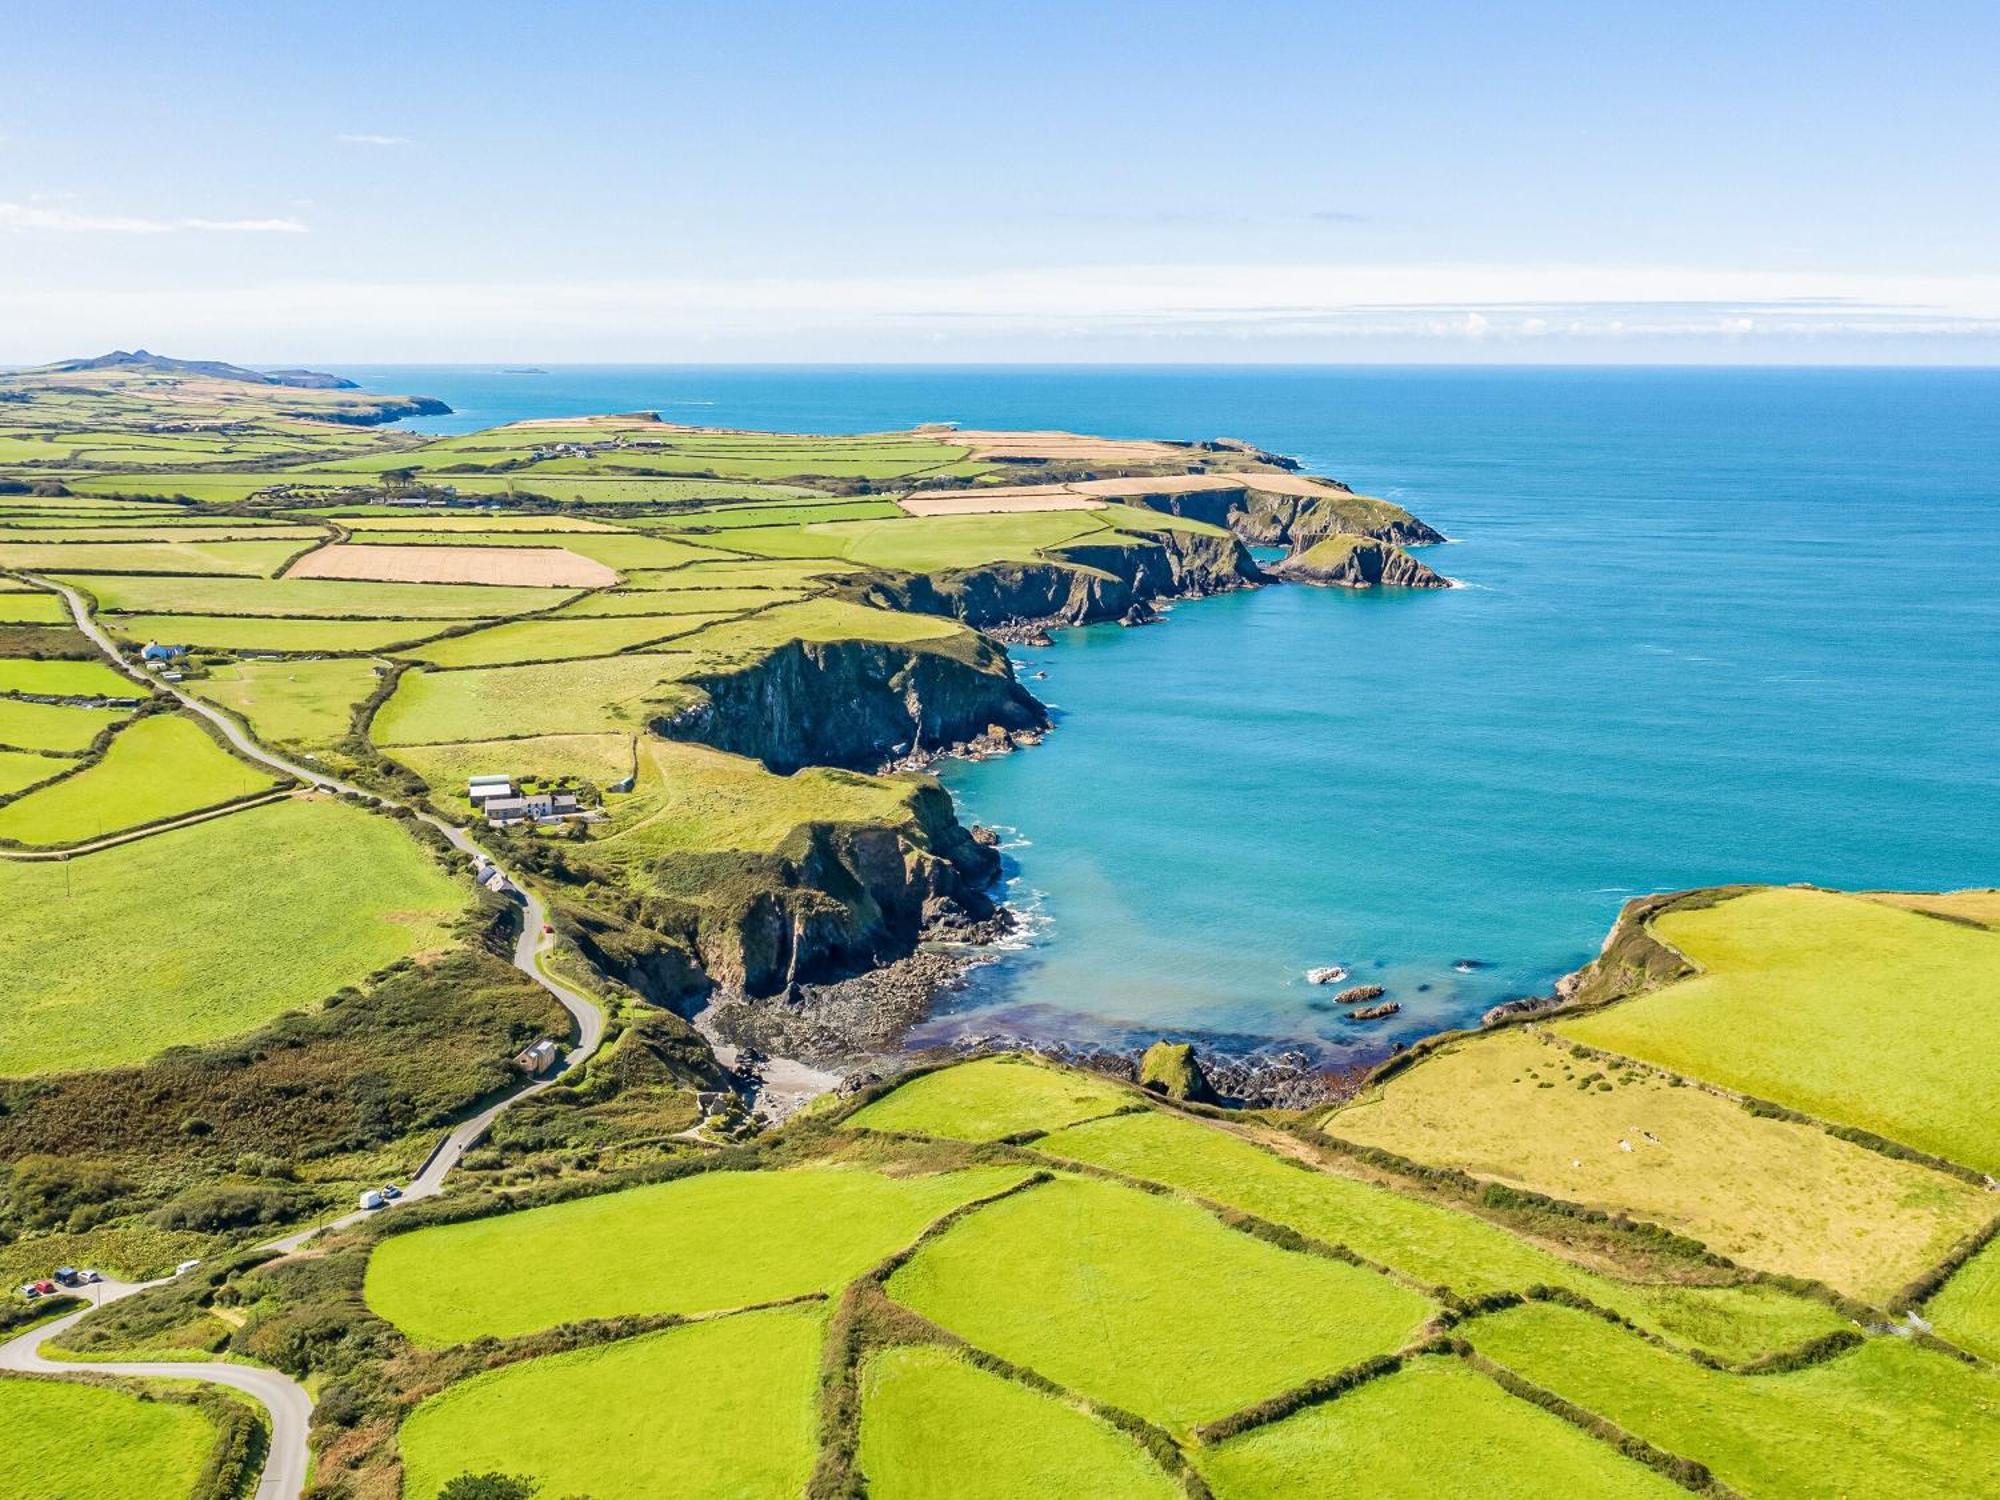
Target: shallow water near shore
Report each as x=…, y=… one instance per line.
x=1717, y=625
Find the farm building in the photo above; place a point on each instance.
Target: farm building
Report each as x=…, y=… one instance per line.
x=536, y=1058
x=537, y=808
x=153, y=651
x=480, y=788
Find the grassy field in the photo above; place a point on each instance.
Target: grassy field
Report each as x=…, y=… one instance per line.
x=54, y=726
x=66, y=1441
x=239, y=559
x=688, y=600
x=218, y=927
x=598, y=758
x=1436, y=1427
x=689, y=797
x=1845, y=1008
x=65, y=679
x=1981, y=906
x=159, y=768
x=23, y=768
x=1885, y=1419
x=250, y=633
x=932, y=1425
x=927, y=544
x=556, y=640
x=990, y=1099
x=32, y=609
x=1432, y=1244
x=328, y=598
x=1150, y=1303
x=1967, y=1311
x=711, y=1411
x=820, y=620
x=293, y=702
x=584, y=697
x=1767, y=1193
x=716, y=1241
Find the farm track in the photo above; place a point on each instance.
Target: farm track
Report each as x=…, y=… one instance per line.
x=289, y=1406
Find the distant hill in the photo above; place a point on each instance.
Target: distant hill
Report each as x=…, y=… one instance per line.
x=145, y=362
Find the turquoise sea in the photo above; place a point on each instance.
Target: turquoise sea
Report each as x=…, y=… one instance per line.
x=1717, y=624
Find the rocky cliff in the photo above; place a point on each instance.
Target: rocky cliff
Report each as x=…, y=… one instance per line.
x=1288, y=517
x=833, y=900
x=1079, y=584
x=1356, y=562
x=855, y=703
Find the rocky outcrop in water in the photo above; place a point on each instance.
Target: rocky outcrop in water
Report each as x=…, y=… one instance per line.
x=1354, y=562
x=1271, y=518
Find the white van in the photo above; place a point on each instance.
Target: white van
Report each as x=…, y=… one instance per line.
x=371, y=1200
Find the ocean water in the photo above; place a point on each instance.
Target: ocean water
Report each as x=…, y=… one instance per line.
x=1715, y=625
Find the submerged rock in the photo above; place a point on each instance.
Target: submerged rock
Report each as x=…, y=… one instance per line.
x=1374, y=1012
x=1331, y=974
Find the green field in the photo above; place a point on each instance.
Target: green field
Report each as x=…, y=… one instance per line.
x=1433, y=1428
x=928, y=543
x=294, y=702
x=556, y=640
x=710, y=1411
x=1150, y=1303
x=159, y=768
x=1845, y=1008
x=65, y=1441
x=218, y=927
x=32, y=609
x=252, y=633
x=691, y=798
x=715, y=1241
x=1434, y=1245
x=23, y=768
x=240, y=559
x=1967, y=1311
x=598, y=758
x=1767, y=1193
x=330, y=598
x=584, y=697
x=692, y=599
x=990, y=1099
x=1886, y=1419
x=933, y=1425
x=54, y=726
x=66, y=679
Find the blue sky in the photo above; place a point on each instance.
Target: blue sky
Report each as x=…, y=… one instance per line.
x=596, y=181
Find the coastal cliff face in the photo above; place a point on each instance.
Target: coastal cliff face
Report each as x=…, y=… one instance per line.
x=855, y=704
x=1091, y=582
x=834, y=900
x=1355, y=562
x=1266, y=518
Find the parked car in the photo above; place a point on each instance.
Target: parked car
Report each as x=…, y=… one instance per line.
x=185, y=1266
x=68, y=1276
x=45, y=1288
x=372, y=1200
x=391, y=1192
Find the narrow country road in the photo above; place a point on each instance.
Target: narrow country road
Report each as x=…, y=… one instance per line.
x=284, y=1476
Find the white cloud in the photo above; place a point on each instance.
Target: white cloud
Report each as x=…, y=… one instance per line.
x=1465, y=311
x=369, y=138
x=47, y=216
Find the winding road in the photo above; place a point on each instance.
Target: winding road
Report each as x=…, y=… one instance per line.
x=290, y=1408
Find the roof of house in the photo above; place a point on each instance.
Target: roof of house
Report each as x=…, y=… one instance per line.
x=489, y=781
